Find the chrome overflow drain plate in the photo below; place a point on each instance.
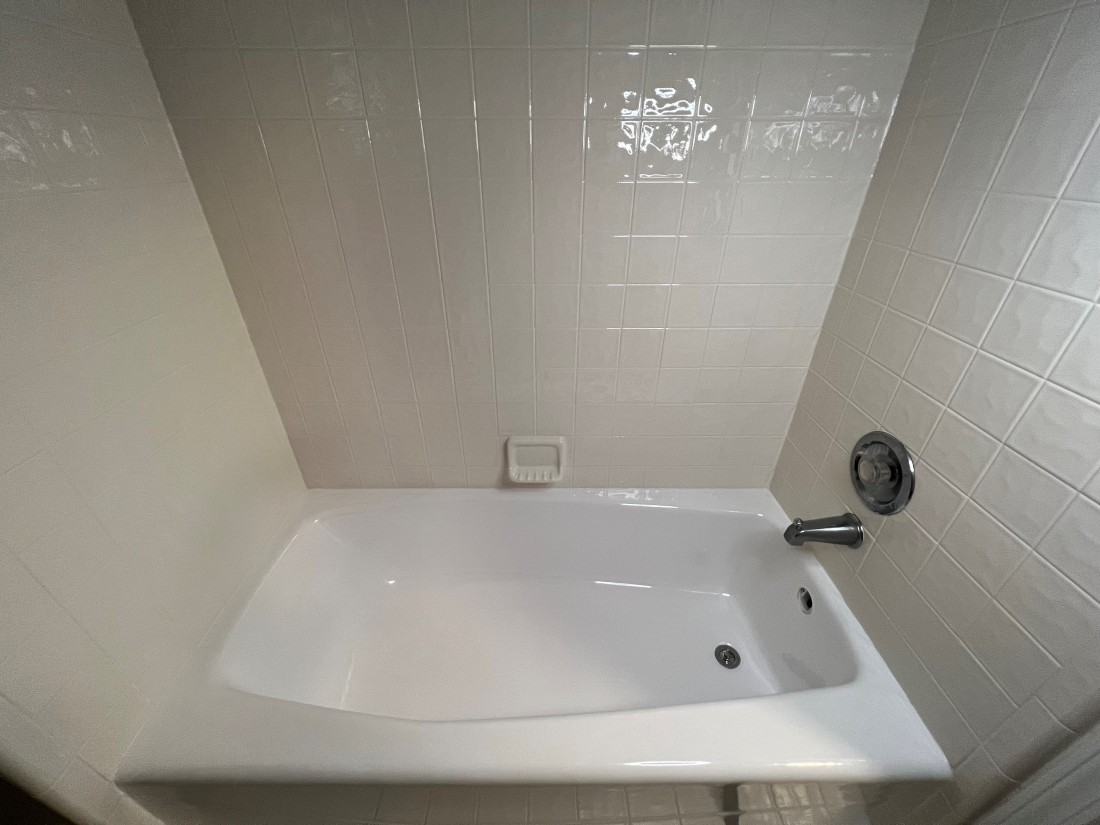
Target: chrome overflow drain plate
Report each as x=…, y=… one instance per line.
x=727, y=656
x=805, y=600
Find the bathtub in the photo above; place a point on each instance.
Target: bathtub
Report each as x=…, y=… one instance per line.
x=549, y=636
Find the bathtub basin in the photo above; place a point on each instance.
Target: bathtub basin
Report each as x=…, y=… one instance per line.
x=536, y=636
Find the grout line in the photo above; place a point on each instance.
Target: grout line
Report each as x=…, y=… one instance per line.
x=531, y=239
x=347, y=269
x=438, y=261
x=255, y=121
x=393, y=269
x=484, y=234
x=630, y=227
x=580, y=249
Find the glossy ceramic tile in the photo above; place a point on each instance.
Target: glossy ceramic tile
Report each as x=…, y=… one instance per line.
x=972, y=266
x=592, y=143
x=751, y=803
x=128, y=385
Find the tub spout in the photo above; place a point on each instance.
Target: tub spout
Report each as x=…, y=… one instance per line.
x=846, y=529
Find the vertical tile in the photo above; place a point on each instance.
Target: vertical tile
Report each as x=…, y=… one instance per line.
x=379, y=23
x=323, y=24
x=438, y=23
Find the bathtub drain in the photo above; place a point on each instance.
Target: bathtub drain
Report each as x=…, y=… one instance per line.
x=727, y=656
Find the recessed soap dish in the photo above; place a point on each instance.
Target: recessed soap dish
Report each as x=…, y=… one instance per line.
x=535, y=459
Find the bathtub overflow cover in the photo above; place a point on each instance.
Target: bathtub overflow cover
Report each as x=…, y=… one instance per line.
x=805, y=600
x=727, y=656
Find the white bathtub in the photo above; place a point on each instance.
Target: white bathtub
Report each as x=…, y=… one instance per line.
x=537, y=636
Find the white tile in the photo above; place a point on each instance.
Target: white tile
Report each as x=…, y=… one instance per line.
x=1021, y=495
x=275, y=82
x=956, y=66
x=438, y=24
x=404, y=804
x=1003, y=232
x=1032, y=326
x=615, y=83
x=559, y=23
x=1015, y=660
x=1066, y=257
x=726, y=347
x=946, y=220
x=911, y=416
x=451, y=151
x=444, y=83
x=217, y=82
x=558, y=80
x=1015, y=59
x=657, y=208
x=879, y=272
x=729, y=83
x=552, y=804
x=1085, y=183
x=497, y=805
x=793, y=24
x=906, y=543
x=984, y=547
x=645, y=306
x=1068, y=544
x=332, y=83
x=1076, y=368
x=1018, y=746
x=601, y=305
x=959, y=450
x=452, y=806
x=504, y=149
x=1044, y=151
x=938, y=363
x=82, y=789
x=388, y=81
x=937, y=505
x=260, y=24
x=992, y=392
x=738, y=24
x=379, y=24
x=951, y=591
x=640, y=348
x=18, y=441
x=690, y=305
x=501, y=83
x=1053, y=433
x=968, y=303
x=1049, y=606
x=686, y=347
x=651, y=801
x=919, y=286
x=651, y=260
x=601, y=803
x=894, y=341
x=320, y=24
x=618, y=23
x=1070, y=72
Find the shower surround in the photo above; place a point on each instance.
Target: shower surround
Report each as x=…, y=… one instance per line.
x=966, y=323
x=448, y=222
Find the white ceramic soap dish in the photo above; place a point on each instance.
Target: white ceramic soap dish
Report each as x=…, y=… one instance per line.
x=535, y=459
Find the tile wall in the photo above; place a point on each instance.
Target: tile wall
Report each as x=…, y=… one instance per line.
x=142, y=463
x=450, y=221
x=791, y=803
x=966, y=322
